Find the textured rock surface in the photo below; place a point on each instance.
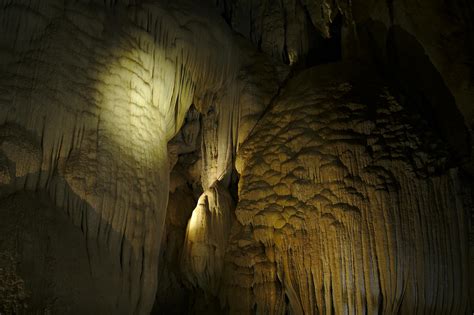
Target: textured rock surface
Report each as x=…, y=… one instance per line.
x=12, y=287
x=343, y=207
x=422, y=46
x=100, y=88
x=45, y=264
x=287, y=30
x=444, y=30
x=170, y=162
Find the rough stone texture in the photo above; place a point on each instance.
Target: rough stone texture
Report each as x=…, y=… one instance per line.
x=225, y=124
x=425, y=47
x=445, y=30
x=345, y=206
x=45, y=262
x=203, y=155
x=12, y=288
x=349, y=198
x=287, y=30
x=101, y=87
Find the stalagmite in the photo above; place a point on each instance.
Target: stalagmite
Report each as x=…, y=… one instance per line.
x=206, y=238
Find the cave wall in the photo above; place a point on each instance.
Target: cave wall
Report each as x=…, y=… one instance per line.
x=427, y=43
x=100, y=88
x=200, y=167
x=46, y=263
x=345, y=207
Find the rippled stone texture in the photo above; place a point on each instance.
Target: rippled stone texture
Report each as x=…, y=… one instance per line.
x=345, y=206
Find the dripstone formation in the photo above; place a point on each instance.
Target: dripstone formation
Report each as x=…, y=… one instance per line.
x=236, y=157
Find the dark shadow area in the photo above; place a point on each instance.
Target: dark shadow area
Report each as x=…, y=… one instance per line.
x=66, y=256
x=59, y=271
x=401, y=60
x=326, y=50
x=173, y=295
x=423, y=89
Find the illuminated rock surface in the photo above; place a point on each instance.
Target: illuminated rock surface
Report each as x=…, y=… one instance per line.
x=101, y=91
x=154, y=160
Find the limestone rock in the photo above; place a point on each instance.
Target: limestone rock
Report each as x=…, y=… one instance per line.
x=104, y=86
x=195, y=165
x=342, y=209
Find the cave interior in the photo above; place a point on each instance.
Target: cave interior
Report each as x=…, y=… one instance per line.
x=236, y=157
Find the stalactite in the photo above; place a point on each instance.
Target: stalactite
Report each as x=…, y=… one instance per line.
x=206, y=239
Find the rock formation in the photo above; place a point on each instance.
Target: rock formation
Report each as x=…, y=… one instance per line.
x=341, y=204
x=236, y=156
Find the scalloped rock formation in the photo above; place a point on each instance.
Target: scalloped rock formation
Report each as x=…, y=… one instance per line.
x=170, y=157
x=343, y=207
